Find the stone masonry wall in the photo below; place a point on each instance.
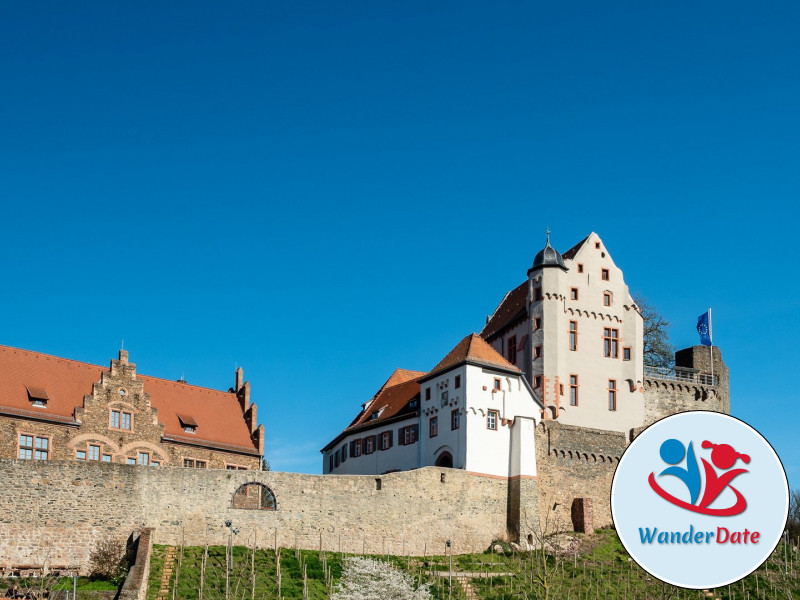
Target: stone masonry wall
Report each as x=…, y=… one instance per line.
x=56, y=512
x=575, y=462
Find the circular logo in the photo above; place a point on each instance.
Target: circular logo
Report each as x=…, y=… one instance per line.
x=699, y=499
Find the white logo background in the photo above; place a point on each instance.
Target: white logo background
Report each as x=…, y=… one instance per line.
x=635, y=505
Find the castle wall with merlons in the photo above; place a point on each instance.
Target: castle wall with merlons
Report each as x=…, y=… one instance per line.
x=55, y=512
x=575, y=462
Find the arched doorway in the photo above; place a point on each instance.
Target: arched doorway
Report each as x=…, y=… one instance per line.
x=445, y=460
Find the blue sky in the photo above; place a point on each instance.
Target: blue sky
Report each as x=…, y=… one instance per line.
x=323, y=192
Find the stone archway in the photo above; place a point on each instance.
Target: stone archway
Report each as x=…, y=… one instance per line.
x=445, y=459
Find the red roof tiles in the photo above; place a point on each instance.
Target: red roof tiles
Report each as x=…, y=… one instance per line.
x=218, y=414
x=473, y=348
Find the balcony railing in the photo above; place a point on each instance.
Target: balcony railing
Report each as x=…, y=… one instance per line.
x=679, y=374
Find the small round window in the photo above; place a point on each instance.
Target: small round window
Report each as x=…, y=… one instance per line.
x=122, y=392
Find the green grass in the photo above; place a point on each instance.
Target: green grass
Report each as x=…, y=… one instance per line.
x=601, y=570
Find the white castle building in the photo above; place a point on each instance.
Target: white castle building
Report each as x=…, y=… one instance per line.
x=564, y=345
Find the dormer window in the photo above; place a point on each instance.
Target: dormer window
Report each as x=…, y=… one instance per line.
x=188, y=423
x=38, y=396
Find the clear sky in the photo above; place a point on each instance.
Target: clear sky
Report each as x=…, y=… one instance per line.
x=323, y=192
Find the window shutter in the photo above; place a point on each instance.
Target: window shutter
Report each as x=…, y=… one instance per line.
x=522, y=343
x=391, y=438
x=415, y=432
x=400, y=437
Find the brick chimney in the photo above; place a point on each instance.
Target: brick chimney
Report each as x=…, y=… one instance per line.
x=239, y=379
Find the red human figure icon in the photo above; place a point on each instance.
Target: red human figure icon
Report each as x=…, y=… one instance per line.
x=724, y=457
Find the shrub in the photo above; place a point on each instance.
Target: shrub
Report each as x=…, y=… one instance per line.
x=109, y=561
x=368, y=579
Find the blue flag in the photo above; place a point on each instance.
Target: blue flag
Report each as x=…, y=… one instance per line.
x=704, y=328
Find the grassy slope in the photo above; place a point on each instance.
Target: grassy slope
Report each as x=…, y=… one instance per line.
x=601, y=570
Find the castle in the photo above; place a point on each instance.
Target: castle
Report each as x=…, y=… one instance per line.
x=523, y=421
x=565, y=347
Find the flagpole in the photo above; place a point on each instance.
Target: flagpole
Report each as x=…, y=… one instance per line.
x=711, y=347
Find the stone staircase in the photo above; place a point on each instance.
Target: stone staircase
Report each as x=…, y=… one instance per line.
x=710, y=595
x=166, y=576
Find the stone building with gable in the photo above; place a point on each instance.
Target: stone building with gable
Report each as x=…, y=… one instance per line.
x=563, y=354
x=54, y=408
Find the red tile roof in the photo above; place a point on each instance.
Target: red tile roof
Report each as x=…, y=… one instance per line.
x=513, y=306
x=218, y=414
x=473, y=348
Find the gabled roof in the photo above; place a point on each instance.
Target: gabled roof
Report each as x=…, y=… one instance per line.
x=218, y=414
x=472, y=349
x=390, y=403
x=513, y=306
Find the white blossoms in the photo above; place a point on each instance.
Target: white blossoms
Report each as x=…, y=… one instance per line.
x=368, y=579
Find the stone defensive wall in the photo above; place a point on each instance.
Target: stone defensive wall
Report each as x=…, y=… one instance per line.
x=575, y=464
x=54, y=513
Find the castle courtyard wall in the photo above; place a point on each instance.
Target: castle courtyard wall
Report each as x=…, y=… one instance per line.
x=56, y=512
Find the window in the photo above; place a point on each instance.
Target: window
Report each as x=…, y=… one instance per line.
x=189, y=429
x=189, y=463
x=434, y=426
x=537, y=381
x=597, y=245
x=612, y=394
x=120, y=420
x=155, y=463
x=537, y=294
x=106, y=458
x=537, y=352
x=573, y=335
x=498, y=385
x=386, y=440
x=573, y=293
x=606, y=298
x=427, y=393
x=144, y=459
x=408, y=435
x=611, y=343
x=344, y=452
x=336, y=459
x=458, y=381
x=537, y=323
x=34, y=447
x=355, y=448
x=455, y=420
x=626, y=353
x=132, y=461
x=604, y=274
x=80, y=455
x=512, y=349
x=444, y=400
x=491, y=419
x=233, y=467
x=580, y=267
x=94, y=452
x=573, y=390
x=369, y=444
x=254, y=496
x=37, y=396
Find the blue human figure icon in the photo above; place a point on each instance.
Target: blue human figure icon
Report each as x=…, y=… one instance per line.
x=672, y=453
